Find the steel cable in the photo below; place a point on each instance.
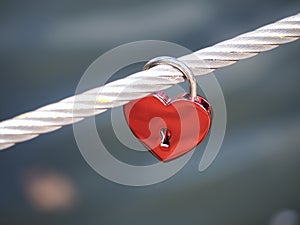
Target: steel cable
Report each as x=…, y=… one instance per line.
x=73, y=109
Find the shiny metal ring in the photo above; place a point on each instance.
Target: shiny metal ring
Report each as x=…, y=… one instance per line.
x=179, y=65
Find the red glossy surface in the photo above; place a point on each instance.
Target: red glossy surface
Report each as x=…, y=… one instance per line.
x=168, y=127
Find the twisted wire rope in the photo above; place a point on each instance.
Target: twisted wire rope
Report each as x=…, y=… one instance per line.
x=95, y=101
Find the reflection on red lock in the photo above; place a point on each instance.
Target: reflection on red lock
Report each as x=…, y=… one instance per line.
x=169, y=127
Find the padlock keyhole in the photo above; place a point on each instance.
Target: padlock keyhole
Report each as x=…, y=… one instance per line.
x=165, y=134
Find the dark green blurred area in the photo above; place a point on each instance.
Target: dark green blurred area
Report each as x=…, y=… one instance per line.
x=45, y=47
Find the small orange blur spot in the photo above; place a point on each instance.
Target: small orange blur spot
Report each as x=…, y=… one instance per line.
x=49, y=191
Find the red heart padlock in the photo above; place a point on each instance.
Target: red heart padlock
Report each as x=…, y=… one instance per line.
x=168, y=127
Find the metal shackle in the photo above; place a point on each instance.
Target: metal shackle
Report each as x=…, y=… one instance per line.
x=179, y=65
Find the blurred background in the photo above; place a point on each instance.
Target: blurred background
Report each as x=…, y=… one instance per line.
x=45, y=47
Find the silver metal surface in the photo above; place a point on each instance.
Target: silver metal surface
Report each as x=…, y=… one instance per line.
x=179, y=65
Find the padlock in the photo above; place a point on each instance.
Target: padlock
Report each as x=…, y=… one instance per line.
x=168, y=127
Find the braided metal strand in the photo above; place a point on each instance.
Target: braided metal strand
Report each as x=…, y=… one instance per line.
x=73, y=109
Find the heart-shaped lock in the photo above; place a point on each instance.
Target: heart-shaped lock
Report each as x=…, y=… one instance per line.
x=167, y=127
